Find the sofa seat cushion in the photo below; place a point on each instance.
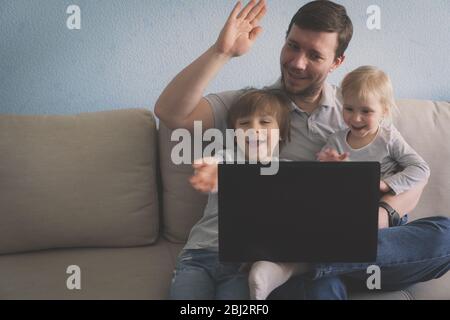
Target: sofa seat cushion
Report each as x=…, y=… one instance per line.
x=111, y=273
x=86, y=180
x=133, y=273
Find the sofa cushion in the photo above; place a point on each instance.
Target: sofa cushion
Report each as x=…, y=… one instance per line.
x=425, y=126
x=182, y=205
x=133, y=273
x=111, y=273
x=85, y=180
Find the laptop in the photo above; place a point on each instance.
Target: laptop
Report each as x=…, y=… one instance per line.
x=307, y=212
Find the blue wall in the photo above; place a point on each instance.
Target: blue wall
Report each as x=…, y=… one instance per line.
x=127, y=51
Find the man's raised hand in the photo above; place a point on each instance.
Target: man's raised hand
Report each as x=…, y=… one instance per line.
x=241, y=29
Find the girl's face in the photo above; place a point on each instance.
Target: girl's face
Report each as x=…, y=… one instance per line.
x=257, y=135
x=363, y=117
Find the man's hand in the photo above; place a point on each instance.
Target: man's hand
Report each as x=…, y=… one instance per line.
x=383, y=218
x=241, y=29
x=181, y=102
x=205, y=177
x=331, y=155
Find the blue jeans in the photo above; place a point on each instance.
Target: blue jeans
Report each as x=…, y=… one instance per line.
x=411, y=253
x=199, y=275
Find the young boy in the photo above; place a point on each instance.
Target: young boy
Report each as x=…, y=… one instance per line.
x=260, y=119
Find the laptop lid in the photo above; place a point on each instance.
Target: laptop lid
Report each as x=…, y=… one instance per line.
x=307, y=212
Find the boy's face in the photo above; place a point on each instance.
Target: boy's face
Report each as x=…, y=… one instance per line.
x=257, y=135
x=363, y=117
x=306, y=60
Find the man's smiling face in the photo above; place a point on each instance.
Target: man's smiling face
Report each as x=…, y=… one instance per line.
x=306, y=60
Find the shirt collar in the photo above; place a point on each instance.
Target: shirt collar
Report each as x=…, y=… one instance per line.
x=327, y=99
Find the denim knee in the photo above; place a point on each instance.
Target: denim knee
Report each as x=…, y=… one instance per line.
x=442, y=225
x=440, y=238
x=327, y=288
x=444, y=231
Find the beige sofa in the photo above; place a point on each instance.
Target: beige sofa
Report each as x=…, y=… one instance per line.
x=98, y=190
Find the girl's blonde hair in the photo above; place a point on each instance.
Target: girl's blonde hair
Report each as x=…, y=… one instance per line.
x=367, y=81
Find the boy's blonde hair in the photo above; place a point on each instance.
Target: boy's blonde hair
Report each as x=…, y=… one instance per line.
x=368, y=81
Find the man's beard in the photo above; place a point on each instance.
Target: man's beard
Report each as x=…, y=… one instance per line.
x=310, y=91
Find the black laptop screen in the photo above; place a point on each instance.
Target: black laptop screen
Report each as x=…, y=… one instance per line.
x=308, y=211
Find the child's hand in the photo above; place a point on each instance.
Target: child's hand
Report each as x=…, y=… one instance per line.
x=205, y=178
x=384, y=187
x=331, y=155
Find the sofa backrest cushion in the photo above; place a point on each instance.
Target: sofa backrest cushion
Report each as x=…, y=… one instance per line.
x=425, y=125
x=182, y=205
x=85, y=180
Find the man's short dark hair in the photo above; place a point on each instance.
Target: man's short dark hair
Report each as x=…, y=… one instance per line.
x=325, y=16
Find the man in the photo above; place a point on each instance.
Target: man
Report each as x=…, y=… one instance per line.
x=317, y=38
